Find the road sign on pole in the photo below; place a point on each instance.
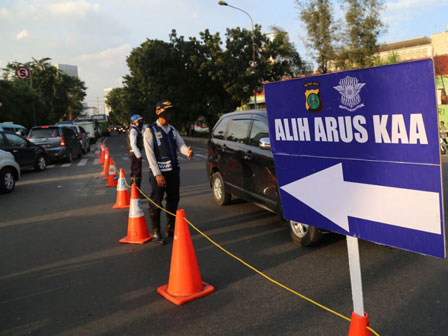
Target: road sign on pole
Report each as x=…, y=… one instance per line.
x=22, y=72
x=357, y=152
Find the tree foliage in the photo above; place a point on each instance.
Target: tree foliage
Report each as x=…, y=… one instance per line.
x=360, y=37
x=54, y=94
x=317, y=15
x=200, y=76
x=348, y=44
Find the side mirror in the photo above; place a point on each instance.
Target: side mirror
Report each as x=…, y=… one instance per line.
x=264, y=143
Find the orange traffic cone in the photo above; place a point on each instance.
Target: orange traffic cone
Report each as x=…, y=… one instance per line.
x=122, y=193
x=106, y=163
x=137, y=228
x=101, y=151
x=185, y=283
x=112, y=178
x=103, y=154
x=358, y=325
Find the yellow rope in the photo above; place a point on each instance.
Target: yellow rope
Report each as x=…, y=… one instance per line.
x=251, y=267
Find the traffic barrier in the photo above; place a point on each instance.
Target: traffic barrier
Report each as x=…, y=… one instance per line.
x=137, y=228
x=101, y=155
x=106, y=163
x=122, y=192
x=185, y=283
x=112, y=179
x=358, y=325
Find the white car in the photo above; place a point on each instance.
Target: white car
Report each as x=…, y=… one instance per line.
x=9, y=172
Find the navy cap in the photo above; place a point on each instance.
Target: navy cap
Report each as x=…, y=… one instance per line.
x=164, y=104
x=136, y=117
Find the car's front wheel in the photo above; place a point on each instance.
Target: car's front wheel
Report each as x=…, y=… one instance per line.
x=41, y=163
x=7, y=180
x=220, y=194
x=303, y=234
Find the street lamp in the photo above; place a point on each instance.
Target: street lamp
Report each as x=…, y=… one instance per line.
x=223, y=3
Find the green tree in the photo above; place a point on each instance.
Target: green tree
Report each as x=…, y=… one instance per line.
x=321, y=30
x=360, y=37
x=202, y=77
x=61, y=94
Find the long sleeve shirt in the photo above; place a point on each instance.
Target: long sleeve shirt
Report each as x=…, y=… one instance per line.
x=148, y=141
x=133, y=142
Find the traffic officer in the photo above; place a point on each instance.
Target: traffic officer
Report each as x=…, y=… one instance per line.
x=135, y=147
x=162, y=141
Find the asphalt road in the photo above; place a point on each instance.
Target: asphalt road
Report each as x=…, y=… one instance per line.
x=63, y=272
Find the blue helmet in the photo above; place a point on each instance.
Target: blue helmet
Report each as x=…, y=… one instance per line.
x=136, y=117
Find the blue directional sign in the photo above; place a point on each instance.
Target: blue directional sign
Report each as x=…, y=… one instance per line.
x=357, y=152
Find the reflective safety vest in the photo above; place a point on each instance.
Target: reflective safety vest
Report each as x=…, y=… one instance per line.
x=165, y=147
x=139, y=138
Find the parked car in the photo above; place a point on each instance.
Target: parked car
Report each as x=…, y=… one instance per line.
x=240, y=162
x=89, y=127
x=9, y=172
x=14, y=128
x=27, y=154
x=83, y=137
x=60, y=142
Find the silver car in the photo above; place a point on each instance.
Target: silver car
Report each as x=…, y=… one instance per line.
x=9, y=172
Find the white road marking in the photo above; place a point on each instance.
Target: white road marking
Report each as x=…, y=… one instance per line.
x=66, y=165
x=51, y=166
x=82, y=162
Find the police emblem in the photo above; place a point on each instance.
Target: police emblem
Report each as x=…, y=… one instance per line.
x=349, y=88
x=313, y=101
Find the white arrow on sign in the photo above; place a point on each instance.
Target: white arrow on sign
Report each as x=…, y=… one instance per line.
x=327, y=193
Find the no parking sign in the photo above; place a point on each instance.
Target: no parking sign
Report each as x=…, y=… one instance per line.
x=22, y=72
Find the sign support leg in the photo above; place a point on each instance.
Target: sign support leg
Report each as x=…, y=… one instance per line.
x=355, y=275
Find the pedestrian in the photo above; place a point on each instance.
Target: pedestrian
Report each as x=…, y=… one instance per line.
x=162, y=141
x=135, y=147
x=443, y=132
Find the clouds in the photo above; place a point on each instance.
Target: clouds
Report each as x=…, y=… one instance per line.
x=73, y=8
x=410, y=4
x=24, y=33
x=106, y=58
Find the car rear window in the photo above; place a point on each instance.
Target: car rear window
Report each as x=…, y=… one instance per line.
x=73, y=128
x=44, y=133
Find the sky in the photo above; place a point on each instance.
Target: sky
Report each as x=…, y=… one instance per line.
x=98, y=35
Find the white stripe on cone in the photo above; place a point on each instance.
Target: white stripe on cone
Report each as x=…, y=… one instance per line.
x=135, y=209
x=112, y=170
x=121, y=186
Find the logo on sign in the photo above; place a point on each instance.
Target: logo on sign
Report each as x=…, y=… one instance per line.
x=313, y=101
x=349, y=88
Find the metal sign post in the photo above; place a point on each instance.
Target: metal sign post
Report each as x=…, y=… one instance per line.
x=355, y=275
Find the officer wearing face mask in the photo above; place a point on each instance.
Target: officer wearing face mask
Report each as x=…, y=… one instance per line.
x=162, y=141
x=135, y=147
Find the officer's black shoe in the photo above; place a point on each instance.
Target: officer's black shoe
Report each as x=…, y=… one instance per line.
x=158, y=238
x=169, y=232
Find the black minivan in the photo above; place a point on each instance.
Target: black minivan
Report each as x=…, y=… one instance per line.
x=240, y=163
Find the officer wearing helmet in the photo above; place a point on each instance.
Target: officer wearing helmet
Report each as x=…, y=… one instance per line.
x=135, y=147
x=162, y=141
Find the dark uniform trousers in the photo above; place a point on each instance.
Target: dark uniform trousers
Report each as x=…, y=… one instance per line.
x=172, y=179
x=136, y=169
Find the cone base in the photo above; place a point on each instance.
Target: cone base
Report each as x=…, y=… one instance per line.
x=358, y=325
x=126, y=240
x=180, y=300
x=120, y=206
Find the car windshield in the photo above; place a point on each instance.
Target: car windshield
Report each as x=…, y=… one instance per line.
x=44, y=133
